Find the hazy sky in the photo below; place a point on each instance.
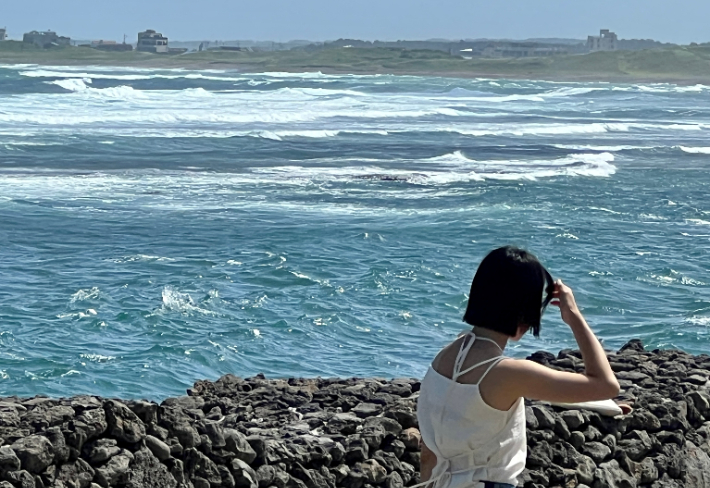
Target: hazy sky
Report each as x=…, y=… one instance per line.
x=679, y=21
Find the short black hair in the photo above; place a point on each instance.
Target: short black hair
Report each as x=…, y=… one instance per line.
x=509, y=290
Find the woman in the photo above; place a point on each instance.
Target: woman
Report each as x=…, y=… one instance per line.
x=471, y=411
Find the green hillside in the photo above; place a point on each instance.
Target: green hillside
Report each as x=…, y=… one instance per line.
x=678, y=64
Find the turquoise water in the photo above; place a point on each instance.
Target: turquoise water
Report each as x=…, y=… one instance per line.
x=159, y=227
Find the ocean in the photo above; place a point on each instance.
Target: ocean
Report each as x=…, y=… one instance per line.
x=163, y=226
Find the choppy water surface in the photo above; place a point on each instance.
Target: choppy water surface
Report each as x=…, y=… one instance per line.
x=158, y=227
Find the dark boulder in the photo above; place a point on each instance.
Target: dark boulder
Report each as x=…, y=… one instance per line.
x=115, y=471
x=198, y=465
x=79, y=474
x=238, y=444
x=159, y=448
x=123, y=423
x=146, y=471
x=35, y=453
x=8, y=460
x=101, y=450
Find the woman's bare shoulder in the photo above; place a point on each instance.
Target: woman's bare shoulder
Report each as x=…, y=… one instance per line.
x=444, y=360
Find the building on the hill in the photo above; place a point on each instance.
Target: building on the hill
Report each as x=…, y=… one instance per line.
x=605, y=41
x=152, y=42
x=3, y=34
x=45, y=39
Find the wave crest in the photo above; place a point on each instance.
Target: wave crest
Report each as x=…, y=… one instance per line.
x=448, y=169
x=695, y=150
x=77, y=85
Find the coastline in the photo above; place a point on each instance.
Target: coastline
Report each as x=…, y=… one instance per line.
x=355, y=433
x=682, y=66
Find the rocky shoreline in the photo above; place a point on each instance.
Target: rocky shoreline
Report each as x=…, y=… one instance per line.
x=353, y=433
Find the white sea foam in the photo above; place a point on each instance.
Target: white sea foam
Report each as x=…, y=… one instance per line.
x=543, y=129
x=690, y=281
x=77, y=315
x=71, y=84
x=652, y=217
x=607, y=210
x=200, y=124
x=176, y=301
x=140, y=257
x=89, y=124
x=97, y=358
x=80, y=86
x=87, y=294
x=664, y=88
x=462, y=94
x=687, y=127
x=697, y=221
x=280, y=135
x=317, y=75
x=157, y=109
x=572, y=91
x=320, y=92
x=451, y=168
x=307, y=112
x=673, y=277
x=695, y=150
x=31, y=143
x=179, y=187
x=591, y=147
x=503, y=98
x=703, y=321
x=84, y=75
x=692, y=89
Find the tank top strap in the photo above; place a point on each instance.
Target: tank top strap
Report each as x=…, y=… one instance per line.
x=465, y=348
x=471, y=368
x=494, y=362
x=466, y=345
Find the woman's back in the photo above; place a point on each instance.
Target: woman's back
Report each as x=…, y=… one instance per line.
x=472, y=440
x=473, y=422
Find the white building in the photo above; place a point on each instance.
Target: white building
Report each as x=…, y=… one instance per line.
x=152, y=42
x=605, y=41
x=3, y=34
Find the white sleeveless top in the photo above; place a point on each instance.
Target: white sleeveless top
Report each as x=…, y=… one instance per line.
x=473, y=441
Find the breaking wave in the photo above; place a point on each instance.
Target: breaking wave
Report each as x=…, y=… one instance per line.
x=695, y=150
x=450, y=168
x=77, y=85
x=127, y=77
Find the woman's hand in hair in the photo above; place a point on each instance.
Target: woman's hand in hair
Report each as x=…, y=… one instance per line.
x=564, y=298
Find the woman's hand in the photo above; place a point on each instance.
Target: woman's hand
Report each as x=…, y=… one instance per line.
x=537, y=382
x=564, y=298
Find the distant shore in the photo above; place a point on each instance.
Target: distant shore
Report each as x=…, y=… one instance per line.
x=679, y=65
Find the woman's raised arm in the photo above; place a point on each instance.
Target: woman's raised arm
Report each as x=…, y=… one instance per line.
x=536, y=382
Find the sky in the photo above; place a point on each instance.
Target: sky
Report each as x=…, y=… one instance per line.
x=679, y=21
